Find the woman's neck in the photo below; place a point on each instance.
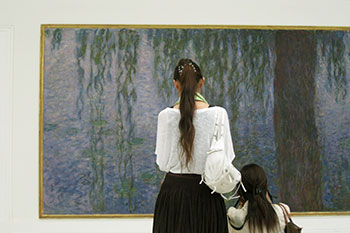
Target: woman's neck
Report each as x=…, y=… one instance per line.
x=198, y=105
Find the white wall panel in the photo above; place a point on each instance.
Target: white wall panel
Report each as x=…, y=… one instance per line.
x=6, y=91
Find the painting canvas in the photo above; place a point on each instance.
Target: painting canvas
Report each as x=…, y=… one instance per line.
x=286, y=91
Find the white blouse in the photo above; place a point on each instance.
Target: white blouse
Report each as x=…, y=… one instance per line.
x=168, y=147
x=237, y=217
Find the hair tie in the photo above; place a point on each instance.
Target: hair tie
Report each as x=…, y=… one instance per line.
x=257, y=191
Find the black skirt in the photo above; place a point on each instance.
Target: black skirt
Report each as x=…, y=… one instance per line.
x=185, y=206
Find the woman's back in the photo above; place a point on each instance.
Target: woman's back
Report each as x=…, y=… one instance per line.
x=168, y=149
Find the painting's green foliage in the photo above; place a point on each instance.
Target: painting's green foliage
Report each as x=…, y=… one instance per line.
x=80, y=52
x=333, y=52
x=169, y=47
x=101, y=50
x=128, y=41
x=56, y=38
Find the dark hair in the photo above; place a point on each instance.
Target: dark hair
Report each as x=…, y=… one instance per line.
x=260, y=211
x=188, y=74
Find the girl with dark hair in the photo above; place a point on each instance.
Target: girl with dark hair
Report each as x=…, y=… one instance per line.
x=183, y=138
x=256, y=213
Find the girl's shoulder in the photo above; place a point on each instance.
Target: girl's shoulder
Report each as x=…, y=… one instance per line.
x=279, y=208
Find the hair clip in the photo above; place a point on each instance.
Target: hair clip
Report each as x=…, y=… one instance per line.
x=179, y=69
x=258, y=191
x=191, y=64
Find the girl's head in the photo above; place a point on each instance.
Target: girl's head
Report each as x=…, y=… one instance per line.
x=260, y=211
x=255, y=181
x=188, y=80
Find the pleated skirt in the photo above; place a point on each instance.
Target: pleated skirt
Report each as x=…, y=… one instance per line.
x=185, y=206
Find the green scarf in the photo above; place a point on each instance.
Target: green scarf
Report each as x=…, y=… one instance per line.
x=197, y=97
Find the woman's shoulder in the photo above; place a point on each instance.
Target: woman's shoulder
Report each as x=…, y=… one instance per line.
x=220, y=109
x=217, y=108
x=211, y=109
x=166, y=111
x=163, y=115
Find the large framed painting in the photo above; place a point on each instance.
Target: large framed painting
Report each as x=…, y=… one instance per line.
x=286, y=90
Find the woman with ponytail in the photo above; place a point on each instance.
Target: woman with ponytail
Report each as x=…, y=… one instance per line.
x=184, y=204
x=256, y=212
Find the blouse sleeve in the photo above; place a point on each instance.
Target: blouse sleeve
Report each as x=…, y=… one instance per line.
x=228, y=139
x=237, y=216
x=162, y=145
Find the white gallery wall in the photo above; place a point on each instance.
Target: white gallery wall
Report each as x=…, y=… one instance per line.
x=20, y=22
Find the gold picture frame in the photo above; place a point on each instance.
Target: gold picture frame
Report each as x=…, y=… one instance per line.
x=44, y=27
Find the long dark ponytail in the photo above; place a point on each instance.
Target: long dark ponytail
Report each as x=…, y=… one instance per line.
x=188, y=74
x=260, y=211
